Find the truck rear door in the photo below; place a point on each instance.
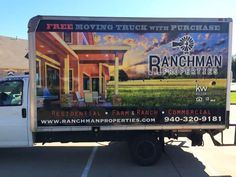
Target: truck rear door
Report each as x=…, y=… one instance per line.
x=13, y=109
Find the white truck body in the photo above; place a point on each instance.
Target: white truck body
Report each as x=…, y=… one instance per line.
x=20, y=124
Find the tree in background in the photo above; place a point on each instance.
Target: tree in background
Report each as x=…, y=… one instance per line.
x=123, y=76
x=234, y=67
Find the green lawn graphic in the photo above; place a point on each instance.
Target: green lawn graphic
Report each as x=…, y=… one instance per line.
x=168, y=93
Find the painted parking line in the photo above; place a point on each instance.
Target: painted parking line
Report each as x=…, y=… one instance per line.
x=89, y=163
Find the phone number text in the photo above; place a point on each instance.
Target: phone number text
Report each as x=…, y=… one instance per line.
x=186, y=119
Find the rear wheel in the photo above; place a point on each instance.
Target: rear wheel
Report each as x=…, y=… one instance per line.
x=146, y=149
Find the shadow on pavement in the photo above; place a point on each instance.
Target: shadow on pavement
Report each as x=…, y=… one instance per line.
x=110, y=161
x=115, y=161
x=43, y=161
x=185, y=163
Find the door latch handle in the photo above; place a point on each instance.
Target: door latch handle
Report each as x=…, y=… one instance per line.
x=23, y=111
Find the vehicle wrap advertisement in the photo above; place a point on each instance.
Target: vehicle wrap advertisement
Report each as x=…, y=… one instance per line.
x=98, y=73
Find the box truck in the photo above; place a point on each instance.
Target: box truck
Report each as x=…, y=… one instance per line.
x=120, y=79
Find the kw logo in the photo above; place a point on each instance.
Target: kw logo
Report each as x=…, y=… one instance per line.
x=201, y=88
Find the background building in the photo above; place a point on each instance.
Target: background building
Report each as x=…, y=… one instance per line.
x=12, y=56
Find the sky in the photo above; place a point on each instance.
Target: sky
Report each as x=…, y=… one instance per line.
x=15, y=14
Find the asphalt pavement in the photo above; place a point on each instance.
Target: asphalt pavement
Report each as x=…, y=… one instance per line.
x=108, y=159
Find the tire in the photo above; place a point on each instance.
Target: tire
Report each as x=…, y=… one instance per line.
x=145, y=150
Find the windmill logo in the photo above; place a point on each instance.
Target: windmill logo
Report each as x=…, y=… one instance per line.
x=185, y=44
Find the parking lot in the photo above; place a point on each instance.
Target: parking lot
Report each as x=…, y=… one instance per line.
x=107, y=159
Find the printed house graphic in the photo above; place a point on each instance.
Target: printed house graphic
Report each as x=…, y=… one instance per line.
x=73, y=70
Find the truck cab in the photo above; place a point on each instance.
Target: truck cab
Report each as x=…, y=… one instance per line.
x=14, y=122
